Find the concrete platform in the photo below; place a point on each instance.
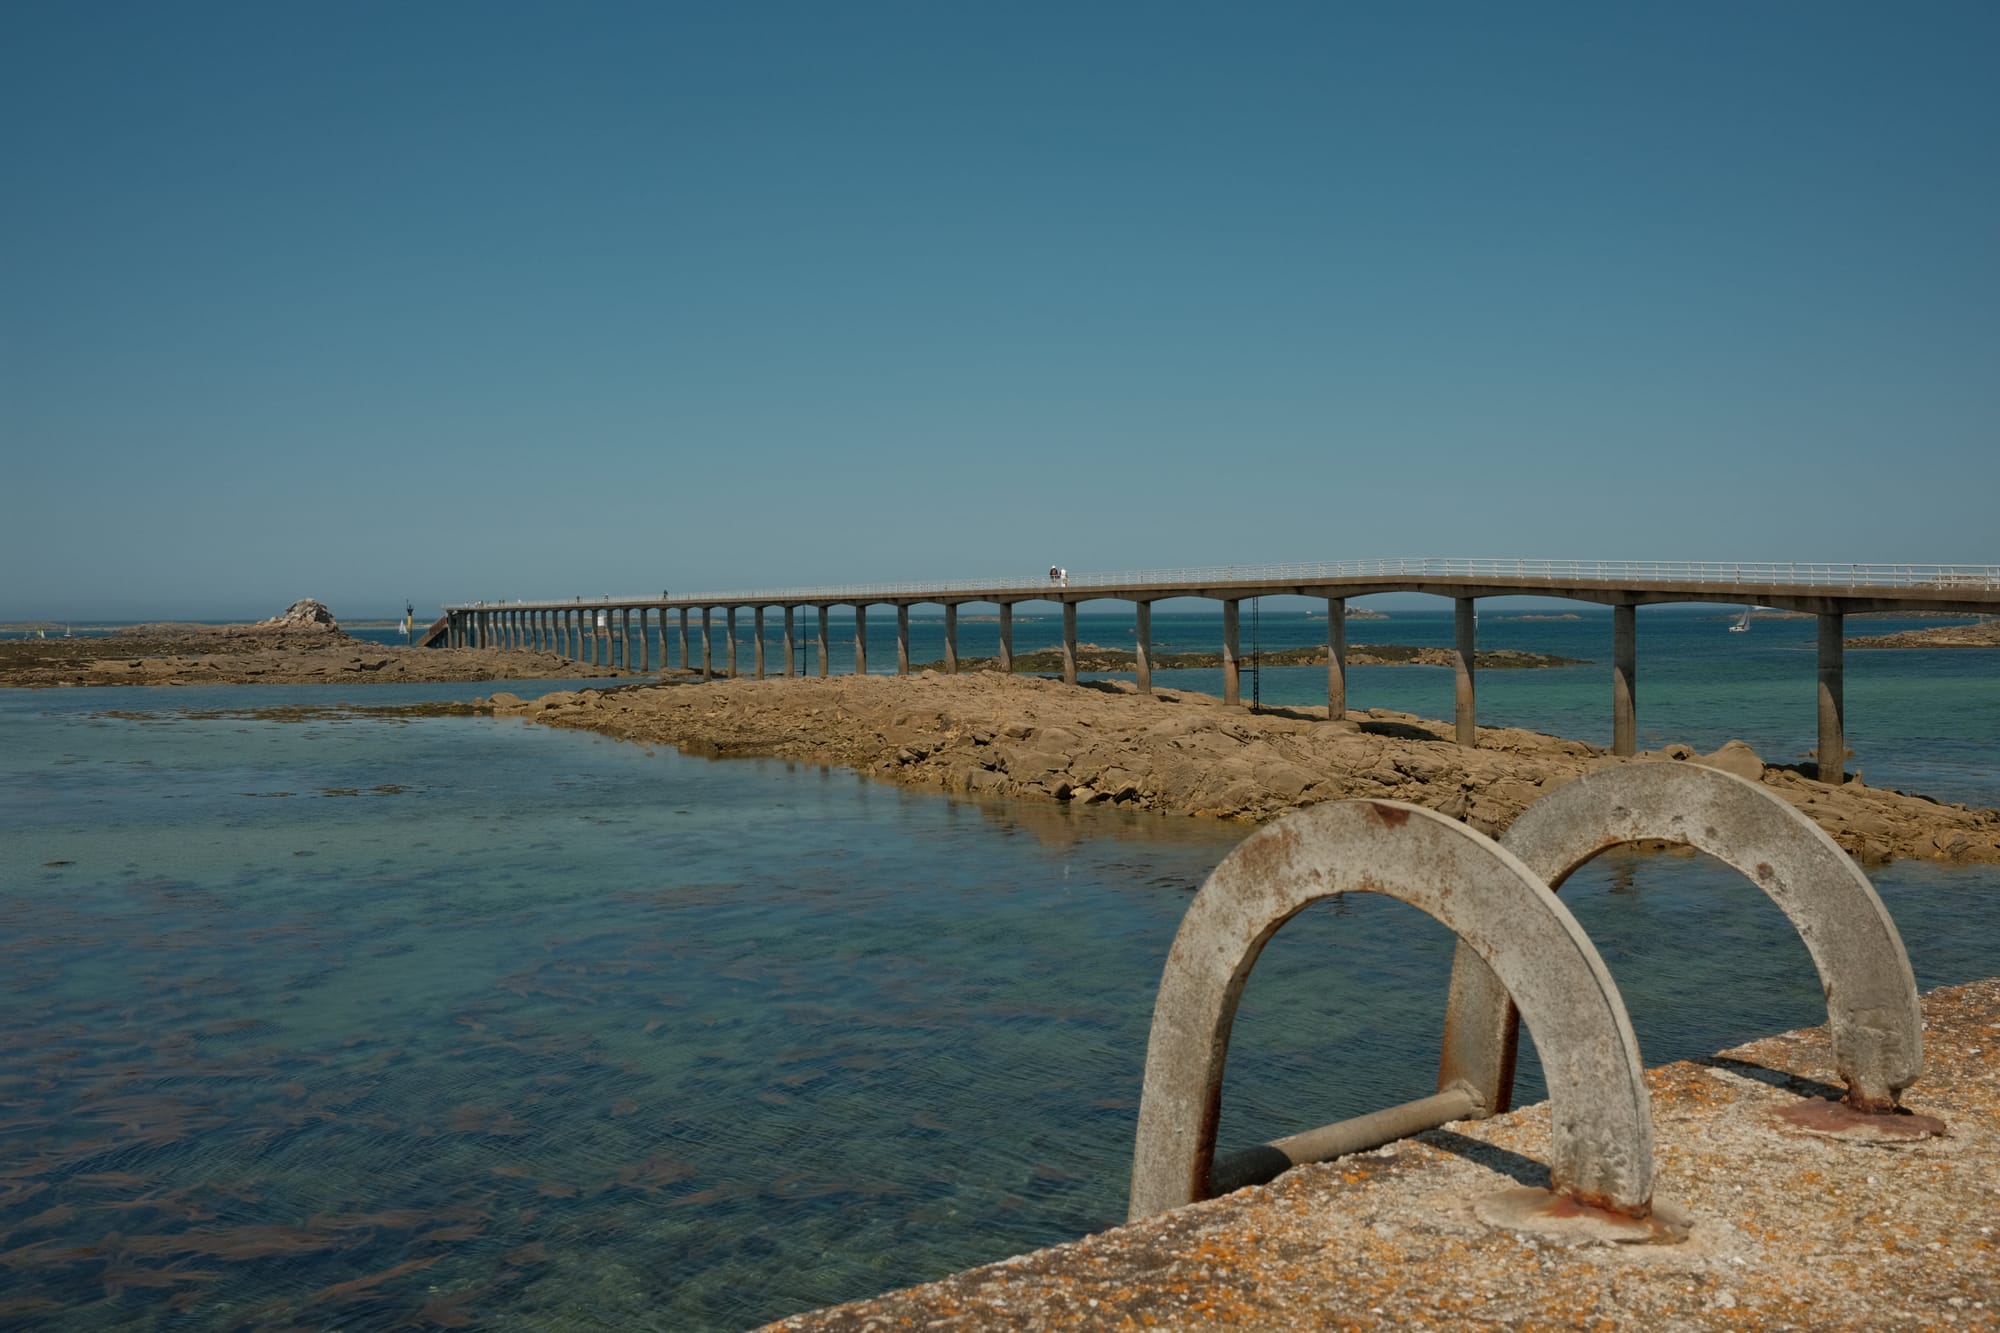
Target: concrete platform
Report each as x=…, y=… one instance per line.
x=1797, y=1224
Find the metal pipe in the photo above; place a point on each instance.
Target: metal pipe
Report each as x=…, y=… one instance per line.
x=1266, y=1162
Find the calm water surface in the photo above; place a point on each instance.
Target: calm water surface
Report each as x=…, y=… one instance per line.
x=359, y=1023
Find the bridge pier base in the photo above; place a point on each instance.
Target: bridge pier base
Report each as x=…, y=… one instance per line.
x=1832, y=705
x=1069, y=643
x=1007, y=636
x=687, y=663
x=902, y=638
x=1624, y=670
x=1336, y=658
x=951, y=638
x=707, y=646
x=860, y=639
x=823, y=668
x=1142, y=646
x=645, y=641
x=730, y=617
x=1466, y=627
x=1232, y=692
x=790, y=647
x=758, y=618
x=625, y=624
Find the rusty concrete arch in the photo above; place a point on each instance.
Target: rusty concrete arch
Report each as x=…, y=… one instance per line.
x=1602, y=1141
x=1871, y=994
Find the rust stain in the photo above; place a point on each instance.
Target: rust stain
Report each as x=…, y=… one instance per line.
x=1764, y=871
x=1388, y=815
x=1824, y=1117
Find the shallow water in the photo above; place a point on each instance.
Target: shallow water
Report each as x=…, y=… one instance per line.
x=356, y=1022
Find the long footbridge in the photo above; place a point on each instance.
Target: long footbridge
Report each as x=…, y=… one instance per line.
x=602, y=630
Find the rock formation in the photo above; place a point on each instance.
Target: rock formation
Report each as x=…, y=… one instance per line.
x=983, y=733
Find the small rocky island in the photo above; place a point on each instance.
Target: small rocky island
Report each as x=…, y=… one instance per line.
x=1979, y=634
x=301, y=645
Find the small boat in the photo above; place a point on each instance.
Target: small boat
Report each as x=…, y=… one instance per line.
x=1742, y=626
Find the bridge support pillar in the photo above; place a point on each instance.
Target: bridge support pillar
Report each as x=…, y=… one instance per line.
x=1624, y=669
x=951, y=638
x=1142, y=646
x=860, y=639
x=1336, y=658
x=625, y=625
x=1466, y=625
x=758, y=617
x=1007, y=636
x=687, y=662
x=824, y=669
x=707, y=647
x=730, y=617
x=902, y=638
x=1832, y=707
x=1069, y=642
x=1231, y=685
x=790, y=635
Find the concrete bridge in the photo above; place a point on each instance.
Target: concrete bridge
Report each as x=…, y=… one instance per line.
x=601, y=629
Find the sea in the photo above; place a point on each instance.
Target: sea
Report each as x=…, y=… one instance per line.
x=331, y=1019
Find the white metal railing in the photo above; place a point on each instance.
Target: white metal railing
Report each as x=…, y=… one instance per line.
x=1623, y=573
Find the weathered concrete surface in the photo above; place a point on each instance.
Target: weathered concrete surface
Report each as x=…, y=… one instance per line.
x=1602, y=1143
x=991, y=734
x=1792, y=1229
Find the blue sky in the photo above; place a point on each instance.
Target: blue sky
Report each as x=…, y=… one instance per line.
x=375, y=302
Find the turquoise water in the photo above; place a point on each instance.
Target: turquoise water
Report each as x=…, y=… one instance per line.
x=361, y=1023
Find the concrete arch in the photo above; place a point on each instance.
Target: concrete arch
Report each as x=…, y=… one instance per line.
x=1871, y=994
x=1602, y=1140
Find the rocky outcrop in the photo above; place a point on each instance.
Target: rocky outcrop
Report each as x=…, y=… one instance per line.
x=1982, y=634
x=306, y=613
x=983, y=733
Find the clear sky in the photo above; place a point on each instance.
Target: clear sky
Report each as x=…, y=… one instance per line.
x=375, y=302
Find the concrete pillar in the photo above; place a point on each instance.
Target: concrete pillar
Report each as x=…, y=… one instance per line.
x=1467, y=636
x=1832, y=705
x=707, y=647
x=757, y=617
x=1069, y=642
x=1006, y=636
x=645, y=641
x=1142, y=646
x=902, y=639
x=860, y=639
x=730, y=616
x=1624, y=672
x=824, y=668
x=789, y=648
x=575, y=615
x=625, y=618
x=1336, y=658
x=951, y=638
x=687, y=662
x=1232, y=691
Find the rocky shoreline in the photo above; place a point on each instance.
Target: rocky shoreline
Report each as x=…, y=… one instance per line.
x=261, y=654
x=1181, y=753
x=1981, y=634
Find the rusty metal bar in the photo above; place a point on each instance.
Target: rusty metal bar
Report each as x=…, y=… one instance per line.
x=1266, y=1162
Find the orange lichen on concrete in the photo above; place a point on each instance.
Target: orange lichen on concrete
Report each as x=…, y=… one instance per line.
x=1790, y=1229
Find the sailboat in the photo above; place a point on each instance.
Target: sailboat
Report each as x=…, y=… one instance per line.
x=1742, y=626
